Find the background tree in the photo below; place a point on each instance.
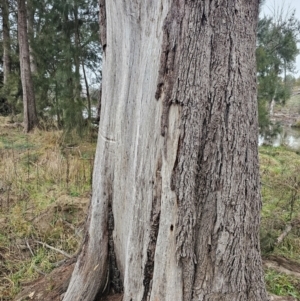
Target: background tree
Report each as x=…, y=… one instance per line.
x=176, y=196
x=10, y=83
x=30, y=116
x=276, y=54
x=65, y=61
x=6, y=40
x=65, y=34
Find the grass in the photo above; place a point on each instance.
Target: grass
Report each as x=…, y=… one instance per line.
x=280, y=177
x=44, y=193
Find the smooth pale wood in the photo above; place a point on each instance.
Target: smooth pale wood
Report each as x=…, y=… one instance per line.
x=176, y=155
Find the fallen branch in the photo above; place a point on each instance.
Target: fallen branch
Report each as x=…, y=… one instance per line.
x=39, y=271
x=28, y=246
x=274, y=265
x=286, y=231
x=281, y=298
x=55, y=249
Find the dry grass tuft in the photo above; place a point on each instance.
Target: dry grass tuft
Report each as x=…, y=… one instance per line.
x=44, y=195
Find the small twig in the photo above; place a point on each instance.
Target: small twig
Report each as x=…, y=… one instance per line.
x=267, y=185
x=76, y=230
x=9, y=280
x=39, y=271
x=55, y=249
x=28, y=246
x=59, y=263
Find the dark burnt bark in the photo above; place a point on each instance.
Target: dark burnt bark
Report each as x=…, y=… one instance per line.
x=30, y=116
x=102, y=24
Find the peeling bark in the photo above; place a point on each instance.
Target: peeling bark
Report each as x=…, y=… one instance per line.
x=181, y=154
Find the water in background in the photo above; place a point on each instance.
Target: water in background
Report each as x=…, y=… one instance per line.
x=287, y=136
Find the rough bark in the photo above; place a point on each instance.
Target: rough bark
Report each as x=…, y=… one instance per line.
x=30, y=116
x=6, y=40
x=177, y=157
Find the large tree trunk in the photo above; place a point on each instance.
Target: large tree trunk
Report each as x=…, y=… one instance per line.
x=30, y=117
x=6, y=40
x=176, y=196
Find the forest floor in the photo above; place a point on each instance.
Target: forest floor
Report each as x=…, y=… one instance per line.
x=45, y=187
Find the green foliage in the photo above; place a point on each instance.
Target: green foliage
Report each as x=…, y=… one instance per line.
x=10, y=93
x=267, y=241
x=281, y=284
x=64, y=39
x=280, y=176
x=275, y=54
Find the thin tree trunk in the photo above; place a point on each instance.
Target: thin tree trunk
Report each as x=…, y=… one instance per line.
x=272, y=104
x=59, y=121
x=30, y=116
x=176, y=196
x=77, y=53
x=6, y=41
x=87, y=92
x=98, y=109
x=30, y=23
x=84, y=73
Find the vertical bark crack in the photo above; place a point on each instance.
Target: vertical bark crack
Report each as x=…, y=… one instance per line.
x=199, y=72
x=115, y=281
x=154, y=228
x=168, y=65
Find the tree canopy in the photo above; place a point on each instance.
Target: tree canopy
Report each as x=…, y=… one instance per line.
x=276, y=53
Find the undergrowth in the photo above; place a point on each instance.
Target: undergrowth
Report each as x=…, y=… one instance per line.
x=281, y=284
x=280, y=178
x=45, y=187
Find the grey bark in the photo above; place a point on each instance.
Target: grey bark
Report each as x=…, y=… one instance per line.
x=30, y=23
x=6, y=40
x=77, y=53
x=30, y=116
x=177, y=155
